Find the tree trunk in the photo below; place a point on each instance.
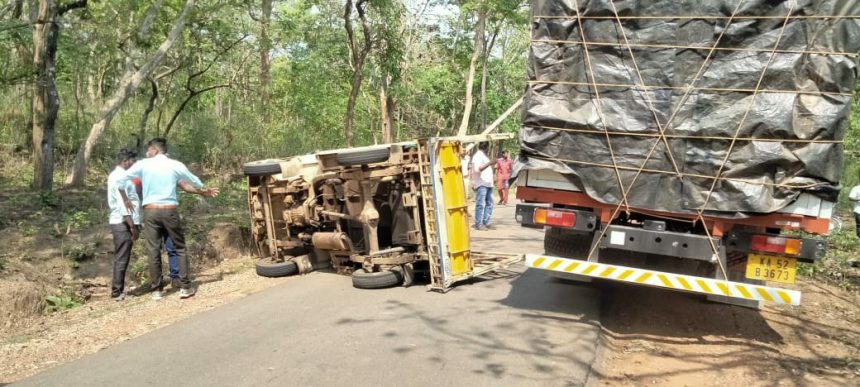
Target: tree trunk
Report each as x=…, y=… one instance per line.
x=141, y=134
x=385, y=119
x=484, y=62
x=128, y=84
x=350, y=107
x=46, y=101
x=358, y=57
x=470, y=79
x=386, y=110
x=265, y=49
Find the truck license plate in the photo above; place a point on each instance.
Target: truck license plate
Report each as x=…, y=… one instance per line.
x=771, y=268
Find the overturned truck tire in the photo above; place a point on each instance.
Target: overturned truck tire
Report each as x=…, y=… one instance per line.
x=276, y=269
x=376, y=280
x=262, y=168
x=363, y=156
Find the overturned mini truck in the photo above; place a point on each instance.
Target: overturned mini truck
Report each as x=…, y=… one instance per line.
x=380, y=214
x=356, y=209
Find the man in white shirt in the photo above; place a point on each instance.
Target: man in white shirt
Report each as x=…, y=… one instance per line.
x=854, y=196
x=482, y=179
x=124, y=224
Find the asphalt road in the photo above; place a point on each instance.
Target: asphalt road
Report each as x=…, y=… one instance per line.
x=515, y=328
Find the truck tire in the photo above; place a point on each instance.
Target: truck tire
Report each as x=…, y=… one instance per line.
x=376, y=280
x=565, y=244
x=262, y=168
x=363, y=156
x=270, y=269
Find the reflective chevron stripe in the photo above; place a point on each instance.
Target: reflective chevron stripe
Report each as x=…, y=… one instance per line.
x=665, y=280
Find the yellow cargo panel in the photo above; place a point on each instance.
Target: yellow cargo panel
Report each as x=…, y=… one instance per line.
x=456, y=210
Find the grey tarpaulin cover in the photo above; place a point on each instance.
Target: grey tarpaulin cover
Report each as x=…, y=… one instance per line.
x=792, y=126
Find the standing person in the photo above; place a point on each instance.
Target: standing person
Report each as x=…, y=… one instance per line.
x=467, y=171
x=172, y=257
x=160, y=176
x=503, y=174
x=482, y=175
x=124, y=224
x=854, y=196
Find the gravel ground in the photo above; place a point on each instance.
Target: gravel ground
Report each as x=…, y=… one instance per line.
x=68, y=335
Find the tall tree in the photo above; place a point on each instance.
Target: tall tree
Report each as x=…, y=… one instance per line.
x=477, y=50
x=357, y=57
x=389, y=27
x=127, y=86
x=45, y=98
x=265, y=51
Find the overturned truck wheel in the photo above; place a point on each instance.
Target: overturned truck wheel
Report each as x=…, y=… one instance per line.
x=276, y=269
x=262, y=168
x=376, y=280
x=363, y=156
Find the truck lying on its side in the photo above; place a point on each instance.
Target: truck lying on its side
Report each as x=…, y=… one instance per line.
x=352, y=208
x=686, y=132
x=379, y=213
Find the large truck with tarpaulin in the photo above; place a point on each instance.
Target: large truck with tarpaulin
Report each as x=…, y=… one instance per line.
x=696, y=134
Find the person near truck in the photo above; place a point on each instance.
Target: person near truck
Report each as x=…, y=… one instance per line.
x=124, y=224
x=854, y=196
x=466, y=169
x=482, y=179
x=503, y=174
x=172, y=257
x=160, y=176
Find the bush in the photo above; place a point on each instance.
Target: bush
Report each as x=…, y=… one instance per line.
x=79, y=252
x=63, y=302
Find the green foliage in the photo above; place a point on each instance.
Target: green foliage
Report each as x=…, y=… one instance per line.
x=78, y=252
x=49, y=199
x=4, y=261
x=77, y=220
x=139, y=268
x=63, y=302
x=836, y=266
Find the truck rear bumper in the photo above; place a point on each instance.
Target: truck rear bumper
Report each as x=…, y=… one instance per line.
x=659, y=279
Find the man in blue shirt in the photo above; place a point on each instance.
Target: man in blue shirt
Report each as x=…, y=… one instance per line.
x=159, y=176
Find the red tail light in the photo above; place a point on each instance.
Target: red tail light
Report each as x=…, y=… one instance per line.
x=776, y=245
x=554, y=218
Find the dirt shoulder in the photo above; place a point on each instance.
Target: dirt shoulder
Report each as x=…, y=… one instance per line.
x=64, y=336
x=665, y=338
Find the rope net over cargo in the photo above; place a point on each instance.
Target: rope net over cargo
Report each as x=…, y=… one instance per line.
x=727, y=108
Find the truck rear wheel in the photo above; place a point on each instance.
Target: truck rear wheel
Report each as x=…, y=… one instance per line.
x=376, y=280
x=566, y=244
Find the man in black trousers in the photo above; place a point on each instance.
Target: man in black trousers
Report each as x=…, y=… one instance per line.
x=124, y=224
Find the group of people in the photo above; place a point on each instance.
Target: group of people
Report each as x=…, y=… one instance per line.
x=142, y=198
x=478, y=174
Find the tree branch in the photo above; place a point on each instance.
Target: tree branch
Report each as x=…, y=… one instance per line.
x=70, y=6
x=350, y=35
x=185, y=103
x=212, y=62
x=365, y=28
